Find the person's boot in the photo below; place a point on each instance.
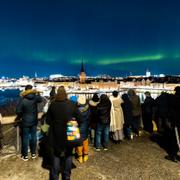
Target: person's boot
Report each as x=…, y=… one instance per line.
x=85, y=158
x=80, y=159
x=177, y=157
x=171, y=158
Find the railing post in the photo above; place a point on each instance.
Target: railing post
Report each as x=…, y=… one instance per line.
x=17, y=139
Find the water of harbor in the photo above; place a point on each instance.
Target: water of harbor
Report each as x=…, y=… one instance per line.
x=8, y=95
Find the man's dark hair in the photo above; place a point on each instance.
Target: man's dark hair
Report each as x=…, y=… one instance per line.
x=95, y=97
x=28, y=87
x=115, y=93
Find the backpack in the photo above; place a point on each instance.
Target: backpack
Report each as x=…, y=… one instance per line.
x=73, y=133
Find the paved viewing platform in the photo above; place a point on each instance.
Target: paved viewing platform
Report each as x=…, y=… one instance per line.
x=137, y=159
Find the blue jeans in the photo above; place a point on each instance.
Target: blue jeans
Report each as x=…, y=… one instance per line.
x=102, y=135
x=29, y=137
x=61, y=165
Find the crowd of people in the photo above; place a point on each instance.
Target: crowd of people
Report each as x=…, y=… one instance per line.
x=100, y=119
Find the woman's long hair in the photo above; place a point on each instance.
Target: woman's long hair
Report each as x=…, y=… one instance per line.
x=61, y=94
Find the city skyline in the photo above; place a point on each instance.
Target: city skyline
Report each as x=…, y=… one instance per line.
x=112, y=37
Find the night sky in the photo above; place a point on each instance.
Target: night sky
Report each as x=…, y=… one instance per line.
x=115, y=37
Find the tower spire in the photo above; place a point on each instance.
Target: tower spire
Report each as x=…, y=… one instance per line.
x=82, y=75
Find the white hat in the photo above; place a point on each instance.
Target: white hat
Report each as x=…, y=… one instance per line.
x=81, y=99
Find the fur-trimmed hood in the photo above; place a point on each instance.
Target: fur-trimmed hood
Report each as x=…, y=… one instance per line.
x=30, y=93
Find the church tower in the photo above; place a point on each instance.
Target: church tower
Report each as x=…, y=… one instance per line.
x=82, y=76
x=148, y=73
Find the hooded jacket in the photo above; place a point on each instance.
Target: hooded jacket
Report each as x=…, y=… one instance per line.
x=93, y=113
x=136, y=104
x=103, y=109
x=27, y=108
x=84, y=110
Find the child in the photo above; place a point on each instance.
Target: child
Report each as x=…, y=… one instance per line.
x=82, y=151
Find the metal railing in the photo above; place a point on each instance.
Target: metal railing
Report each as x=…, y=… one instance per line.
x=11, y=120
x=140, y=91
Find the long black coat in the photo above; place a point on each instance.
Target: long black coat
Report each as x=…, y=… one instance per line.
x=148, y=107
x=127, y=110
x=59, y=113
x=162, y=106
x=175, y=110
x=148, y=113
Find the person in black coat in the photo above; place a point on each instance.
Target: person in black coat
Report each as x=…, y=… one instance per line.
x=128, y=116
x=93, y=116
x=27, y=111
x=52, y=93
x=162, y=111
x=148, y=112
x=172, y=133
x=59, y=113
x=103, y=125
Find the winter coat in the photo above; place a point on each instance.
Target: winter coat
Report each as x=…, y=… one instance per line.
x=103, y=110
x=93, y=114
x=27, y=108
x=85, y=111
x=59, y=113
x=162, y=109
x=148, y=107
x=117, y=117
x=136, y=104
x=127, y=110
x=175, y=110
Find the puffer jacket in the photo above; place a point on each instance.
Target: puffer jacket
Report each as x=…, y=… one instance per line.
x=136, y=104
x=103, y=110
x=27, y=108
x=85, y=112
x=93, y=114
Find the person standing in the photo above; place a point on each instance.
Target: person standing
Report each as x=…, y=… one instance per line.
x=103, y=125
x=60, y=111
x=52, y=93
x=136, y=111
x=128, y=117
x=117, y=117
x=172, y=133
x=82, y=151
x=93, y=117
x=162, y=111
x=148, y=111
x=27, y=111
